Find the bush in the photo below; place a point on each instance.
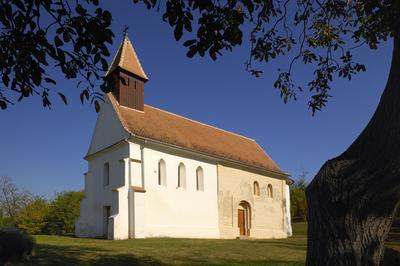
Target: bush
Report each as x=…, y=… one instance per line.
x=31, y=218
x=63, y=211
x=15, y=246
x=298, y=202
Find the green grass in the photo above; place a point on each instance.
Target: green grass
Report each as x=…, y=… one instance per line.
x=60, y=250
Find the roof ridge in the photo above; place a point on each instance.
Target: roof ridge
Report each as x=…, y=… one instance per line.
x=127, y=52
x=204, y=124
x=136, y=57
x=269, y=157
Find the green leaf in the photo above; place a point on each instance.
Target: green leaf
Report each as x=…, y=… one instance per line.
x=3, y=105
x=189, y=43
x=97, y=106
x=49, y=80
x=6, y=80
x=97, y=58
x=104, y=64
x=58, y=41
x=178, y=31
x=63, y=98
x=191, y=53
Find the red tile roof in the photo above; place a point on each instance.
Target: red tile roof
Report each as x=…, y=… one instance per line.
x=127, y=59
x=163, y=126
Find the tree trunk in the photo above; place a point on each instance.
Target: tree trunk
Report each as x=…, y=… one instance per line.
x=353, y=198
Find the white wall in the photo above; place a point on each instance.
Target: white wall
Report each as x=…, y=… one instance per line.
x=288, y=217
x=97, y=195
x=108, y=129
x=176, y=212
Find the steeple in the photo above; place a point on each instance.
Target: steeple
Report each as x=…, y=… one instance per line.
x=128, y=76
x=127, y=60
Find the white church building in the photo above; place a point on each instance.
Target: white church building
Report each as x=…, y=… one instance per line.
x=152, y=173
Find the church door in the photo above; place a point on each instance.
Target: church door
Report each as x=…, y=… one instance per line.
x=106, y=216
x=241, y=222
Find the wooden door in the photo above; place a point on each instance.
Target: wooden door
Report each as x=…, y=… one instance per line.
x=241, y=222
x=107, y=214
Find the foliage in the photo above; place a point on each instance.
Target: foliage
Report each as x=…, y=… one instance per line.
x=63, y=211
x=73, y=37
x=39, y=36
x=31, y=219
x=12, y=200
x=298, y=202
x=15, y=246
x=324, y=34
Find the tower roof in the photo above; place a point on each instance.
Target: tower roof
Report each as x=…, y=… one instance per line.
x=127, y=59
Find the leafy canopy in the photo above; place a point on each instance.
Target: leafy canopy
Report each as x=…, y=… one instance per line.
x=38, y=35
x=319, y=33
x=72, y=37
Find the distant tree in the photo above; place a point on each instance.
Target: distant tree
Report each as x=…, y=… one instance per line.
x=63, y=211
x=12, y=200
x=31, y=218
x=2, y=222
x=298, y=202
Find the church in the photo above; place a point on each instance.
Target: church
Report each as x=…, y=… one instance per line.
x=153, y=173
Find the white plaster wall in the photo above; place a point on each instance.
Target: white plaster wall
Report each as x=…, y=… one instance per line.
x=108, y=129
x=97, y=195
x=288, y=218
x=268, y=217
x=176, y=212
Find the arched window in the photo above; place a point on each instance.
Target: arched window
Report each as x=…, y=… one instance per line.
x=162, y=175
x=106, y=176
x=181, y=175
x=270, y=193
x=256, y=188
x=199, y=179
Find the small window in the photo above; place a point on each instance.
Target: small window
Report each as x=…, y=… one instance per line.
x=181, y=175
x=256, y=188
x=270, y=192
x=106, y=178
x=162, y=177
x=199, y=179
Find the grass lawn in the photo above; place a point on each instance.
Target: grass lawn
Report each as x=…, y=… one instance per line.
x=59, y=250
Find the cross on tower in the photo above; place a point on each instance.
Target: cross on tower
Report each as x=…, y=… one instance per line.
x=125, y=30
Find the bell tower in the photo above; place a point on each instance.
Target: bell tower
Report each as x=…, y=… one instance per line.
x=128, y=77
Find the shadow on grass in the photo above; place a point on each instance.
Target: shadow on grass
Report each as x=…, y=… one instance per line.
x=391, y=257
x=68, y=255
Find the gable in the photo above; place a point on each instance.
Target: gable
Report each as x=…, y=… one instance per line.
x=108, y=129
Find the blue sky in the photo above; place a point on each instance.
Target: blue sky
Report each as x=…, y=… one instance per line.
x=42, y=150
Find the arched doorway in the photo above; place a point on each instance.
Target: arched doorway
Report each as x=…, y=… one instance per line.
x=244, y=218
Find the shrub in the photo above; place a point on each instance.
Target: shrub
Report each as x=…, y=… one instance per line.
x=63, y=211
x=298, y=202
x=31, y=218
x=15, y=245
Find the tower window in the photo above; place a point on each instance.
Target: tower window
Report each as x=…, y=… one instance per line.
x=106, y=175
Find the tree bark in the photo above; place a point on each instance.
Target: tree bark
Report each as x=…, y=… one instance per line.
x=353, y=198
